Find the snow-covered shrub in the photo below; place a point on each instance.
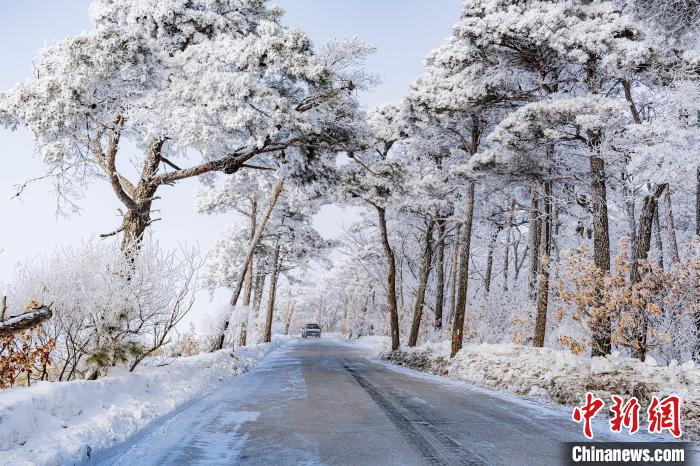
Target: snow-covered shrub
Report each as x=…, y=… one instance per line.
x=663, y=305
x=107, y=310
x=23, y=354
x=211, y=333
x=500, y=318
x=186, y=344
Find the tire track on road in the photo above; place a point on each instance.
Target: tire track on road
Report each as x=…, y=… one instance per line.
x=408, y=424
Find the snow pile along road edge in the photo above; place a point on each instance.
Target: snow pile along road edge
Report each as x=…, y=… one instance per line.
x=54, y=423
x=559, y=376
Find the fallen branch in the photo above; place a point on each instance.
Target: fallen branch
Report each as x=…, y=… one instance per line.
x=25, y=321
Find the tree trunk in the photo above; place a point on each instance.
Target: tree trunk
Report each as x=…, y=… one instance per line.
x=276, y=191
x=509, y=233
x=260, y=280
x=670, y=227
x=440, y=277
x=138, y=211
x=697, y=202
x=517, y=261
x=657, y=239
x=290, y=314
x=601, y=234
x=453, y=273
x=630, y=213
x=248, y=291
x=422, y=283
x=463, y=283
x=534, y=240
x=134, y=225
x=267, y=334
x=543, y=265
x=636, y=117
x=390, y=280
x=399, y=288
x=489, y=260
x=643, y=244
x=601, y=326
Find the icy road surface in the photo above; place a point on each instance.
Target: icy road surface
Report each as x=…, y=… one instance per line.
x=325, y=402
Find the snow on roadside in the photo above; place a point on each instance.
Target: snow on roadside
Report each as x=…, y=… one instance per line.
x=54, y=423
x=375, y=344
x=555, y=375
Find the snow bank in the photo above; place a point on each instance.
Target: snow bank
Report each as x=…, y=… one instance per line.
x=55, y=423
x=559, y=376
x=375, y=344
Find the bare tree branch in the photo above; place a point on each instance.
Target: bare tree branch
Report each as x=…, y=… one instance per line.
x=24, y=321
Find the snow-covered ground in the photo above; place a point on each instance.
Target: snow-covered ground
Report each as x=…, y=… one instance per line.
x=55, y=423
x=553, y=375
x=375, y=344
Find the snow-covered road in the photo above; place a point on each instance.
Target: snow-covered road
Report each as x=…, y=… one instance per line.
x=324, y=402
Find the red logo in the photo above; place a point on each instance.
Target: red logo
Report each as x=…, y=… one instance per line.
x=661, y=415
x=665, y=414
x=588, y=412
x=626, y=416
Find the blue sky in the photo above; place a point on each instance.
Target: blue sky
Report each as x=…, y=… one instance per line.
x=403, y=30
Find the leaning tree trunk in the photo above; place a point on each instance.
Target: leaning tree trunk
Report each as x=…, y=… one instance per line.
x=601, y=325
x=440, y=277
x=545, y=244
x=670, y=227
x=463, y=283
x=390, y=279
x=517, y=262
x=509, y=233
x=288, y=322
x=267, y=334
x=276, y=191
x=646, y=220
x=248, y=291
x=422, y=284
x=534, y=240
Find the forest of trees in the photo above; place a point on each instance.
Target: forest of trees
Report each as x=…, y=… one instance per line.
x=538, y=184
